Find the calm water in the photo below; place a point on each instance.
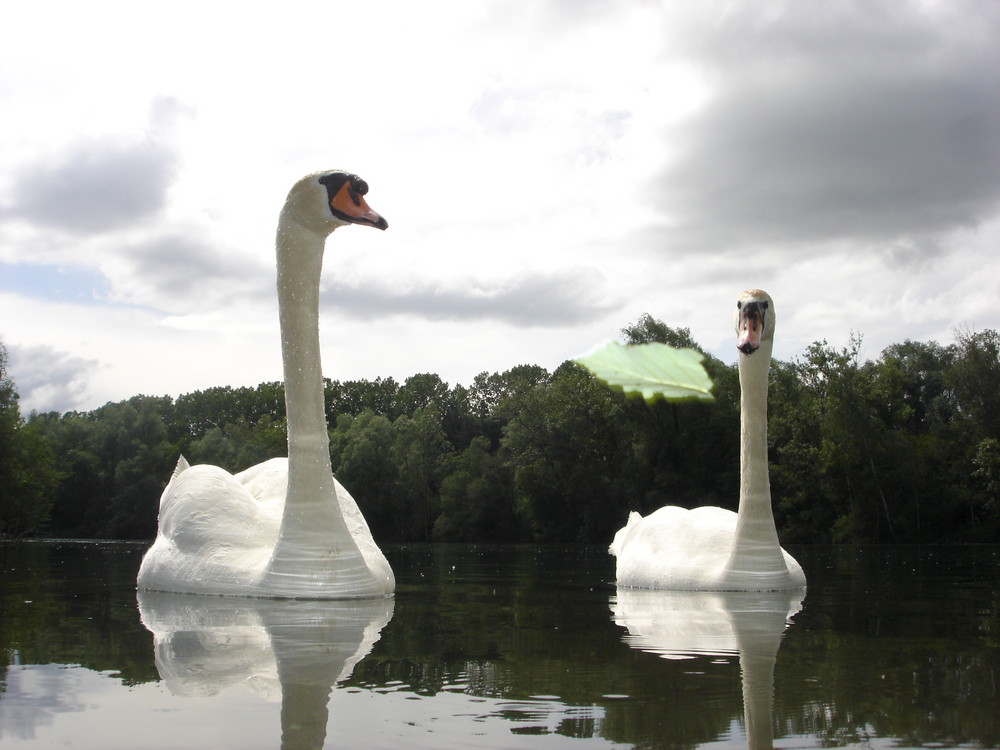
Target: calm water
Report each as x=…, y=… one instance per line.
x=518, y=647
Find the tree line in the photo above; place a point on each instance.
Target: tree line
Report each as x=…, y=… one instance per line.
x=902, y=449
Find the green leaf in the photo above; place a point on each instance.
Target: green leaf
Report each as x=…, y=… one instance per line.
x=652, y=370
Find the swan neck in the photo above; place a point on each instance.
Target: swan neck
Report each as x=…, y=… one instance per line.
x=755, y=544
x=316, y=554
x=754, y=480
x=300, y=262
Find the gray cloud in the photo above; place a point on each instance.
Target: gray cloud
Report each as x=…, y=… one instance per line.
x=95, y=186
x=531, y=300
x=879, y=124
x=178, y=269
x=49, y=380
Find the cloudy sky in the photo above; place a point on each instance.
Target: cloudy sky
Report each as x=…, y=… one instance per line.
x=550, y=170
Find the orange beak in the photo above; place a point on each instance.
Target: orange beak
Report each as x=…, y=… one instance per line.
x=351, y=204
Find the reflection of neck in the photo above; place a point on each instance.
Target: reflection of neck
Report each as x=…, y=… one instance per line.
x=759, y=636
x=758, y=699
x=315, y=647
x=304, y=716
x=755, y=544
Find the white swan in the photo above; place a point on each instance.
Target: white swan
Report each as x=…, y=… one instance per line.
x=709, y=548
x=284, y=528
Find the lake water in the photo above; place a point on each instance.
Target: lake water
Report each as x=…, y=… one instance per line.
x=504, y=647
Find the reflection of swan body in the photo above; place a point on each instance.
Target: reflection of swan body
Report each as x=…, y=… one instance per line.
x=713, y=549
x=284, y=528
x=204, y=645
x=685, y=623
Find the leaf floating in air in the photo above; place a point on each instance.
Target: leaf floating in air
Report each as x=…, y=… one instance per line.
x=652, y=370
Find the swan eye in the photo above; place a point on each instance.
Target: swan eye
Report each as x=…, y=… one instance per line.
x=739, y=305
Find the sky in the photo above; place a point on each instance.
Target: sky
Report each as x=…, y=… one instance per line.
x=551, y=170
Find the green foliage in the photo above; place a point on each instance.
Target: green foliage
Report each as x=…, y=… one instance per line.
x=114, y=462
x=653, y=370
x=477, y=498
x=355, y=396
x=904, y=449
x=649, y=330
x=27, y=466
x=361, y=452
x=419, y=451
x=562, y=444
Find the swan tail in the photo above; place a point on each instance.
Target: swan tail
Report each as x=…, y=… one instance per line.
x=182, y=465
x=180, y=468
x=623, y=534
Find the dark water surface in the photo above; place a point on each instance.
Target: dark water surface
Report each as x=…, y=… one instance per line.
x=504, y=647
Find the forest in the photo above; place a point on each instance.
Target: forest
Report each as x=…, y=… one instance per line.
x=902, y=449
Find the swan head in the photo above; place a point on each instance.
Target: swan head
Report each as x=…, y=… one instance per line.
x=323, y=201
x=754, y=320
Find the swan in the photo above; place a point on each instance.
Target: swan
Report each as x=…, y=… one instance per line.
x=709, y=548
x=285, y=528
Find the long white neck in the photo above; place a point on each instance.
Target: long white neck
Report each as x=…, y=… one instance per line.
x=755, y=551
x=315, y=554
x=300, y=262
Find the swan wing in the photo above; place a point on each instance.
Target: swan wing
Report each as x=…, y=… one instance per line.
x=676, y=548
x=214, y=535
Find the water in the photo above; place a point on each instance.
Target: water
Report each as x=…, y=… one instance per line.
x=517, y=647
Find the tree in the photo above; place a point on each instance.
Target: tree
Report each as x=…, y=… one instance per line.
x=27, y=466
x=563, y=447
x=495, y=398
x=682, y=453
x=236, y=446
x=648, y=330
x=975, y=378
x=419, y=451
x=194, y=414
x=477, y=499
x=114, y=464
x=361, y=452
x=356, y=396
x=904, y=449
x=419, y=392
x=850, y=438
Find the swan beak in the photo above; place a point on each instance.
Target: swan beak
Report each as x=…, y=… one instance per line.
x=370, y=218
x=352, y=206
x=750, y=328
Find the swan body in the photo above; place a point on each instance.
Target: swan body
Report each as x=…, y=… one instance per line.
x=284, y=528
x=709, y=548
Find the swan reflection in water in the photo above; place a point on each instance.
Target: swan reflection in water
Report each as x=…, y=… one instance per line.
x=684, y=623
x=299, y=648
